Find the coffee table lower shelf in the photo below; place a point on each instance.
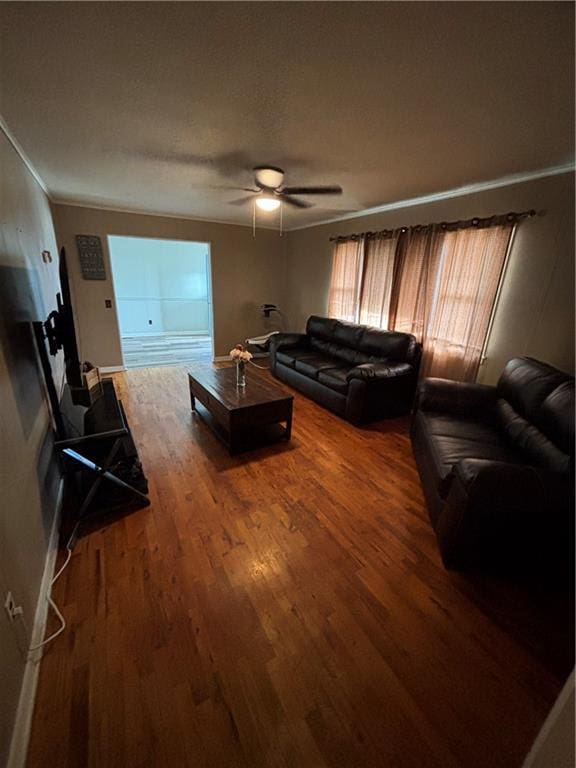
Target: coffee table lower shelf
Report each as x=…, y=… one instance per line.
x=247, y=439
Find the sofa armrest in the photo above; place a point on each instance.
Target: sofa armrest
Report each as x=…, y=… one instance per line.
x=502, y=513
x=379, y=371
x=286, y=340
x=456, y=397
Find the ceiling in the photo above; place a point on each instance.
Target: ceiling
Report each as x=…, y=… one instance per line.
x=160, y=107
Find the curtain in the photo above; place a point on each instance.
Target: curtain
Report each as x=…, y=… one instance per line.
x=413, y=283
x=379, y=254
x=346, y=282
x=469, y=268
x=436, y=282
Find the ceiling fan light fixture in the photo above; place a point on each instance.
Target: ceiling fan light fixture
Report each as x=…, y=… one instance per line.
x=267, y=203
x=269, y=177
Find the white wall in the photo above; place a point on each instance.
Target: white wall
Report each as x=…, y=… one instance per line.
x=161, y=285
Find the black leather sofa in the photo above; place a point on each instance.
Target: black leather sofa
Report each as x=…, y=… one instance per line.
x=358, y=372
x=496, y=465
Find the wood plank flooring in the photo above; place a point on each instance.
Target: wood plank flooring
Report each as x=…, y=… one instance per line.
x=144, y=351
x=286, y=608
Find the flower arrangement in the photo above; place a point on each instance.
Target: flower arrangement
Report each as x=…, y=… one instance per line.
x=240, y=356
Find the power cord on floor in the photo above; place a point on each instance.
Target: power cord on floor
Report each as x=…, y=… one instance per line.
x=262, y=367
x=51, y=602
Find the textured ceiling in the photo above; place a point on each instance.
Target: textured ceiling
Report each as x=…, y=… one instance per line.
x=162, y=106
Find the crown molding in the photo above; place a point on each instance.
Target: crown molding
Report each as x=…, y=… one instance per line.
x=23, y=156
x=468, y=189
x=157, y=214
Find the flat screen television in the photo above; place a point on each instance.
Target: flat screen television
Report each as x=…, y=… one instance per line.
x=60, y=330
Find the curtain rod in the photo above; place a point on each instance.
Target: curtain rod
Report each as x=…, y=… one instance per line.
x=503, y=218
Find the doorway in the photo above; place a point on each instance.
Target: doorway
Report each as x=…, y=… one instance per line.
x=163, y=300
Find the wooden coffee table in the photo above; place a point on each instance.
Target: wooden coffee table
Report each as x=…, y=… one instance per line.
x=242, y=417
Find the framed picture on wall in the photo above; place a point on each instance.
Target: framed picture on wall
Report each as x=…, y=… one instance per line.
x=91, y=257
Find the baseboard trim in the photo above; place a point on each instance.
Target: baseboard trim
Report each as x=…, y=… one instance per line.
x=112, y=369
x=25, y=711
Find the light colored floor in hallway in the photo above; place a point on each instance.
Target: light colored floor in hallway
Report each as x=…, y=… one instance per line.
x=165, y=349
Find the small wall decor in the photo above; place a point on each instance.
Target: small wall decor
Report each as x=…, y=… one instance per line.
x=91, y=257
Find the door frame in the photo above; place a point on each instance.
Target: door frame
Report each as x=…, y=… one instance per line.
x=209, y=278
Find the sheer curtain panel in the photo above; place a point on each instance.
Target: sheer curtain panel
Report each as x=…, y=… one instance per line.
x=415, y=273
x=346, y=282
x=469, y=269
x=379, y=255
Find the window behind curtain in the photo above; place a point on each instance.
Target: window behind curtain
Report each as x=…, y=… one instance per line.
x=377, y=280
x=346, y=282
x=415, y=268
x=468, y=271
x=439, y=285
x=361, y=284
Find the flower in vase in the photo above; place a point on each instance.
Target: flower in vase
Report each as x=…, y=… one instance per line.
x=239, y=354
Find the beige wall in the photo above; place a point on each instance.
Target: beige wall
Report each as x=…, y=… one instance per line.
x=535, y=313
x=554, y=746
x=246, y=272
x=28, y=475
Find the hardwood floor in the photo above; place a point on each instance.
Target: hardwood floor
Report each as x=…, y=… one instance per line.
x=286, y=607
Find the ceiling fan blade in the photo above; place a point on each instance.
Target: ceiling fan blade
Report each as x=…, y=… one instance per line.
x=332, y=189
x=241, y=200
x=227, y=188
x=294, y=201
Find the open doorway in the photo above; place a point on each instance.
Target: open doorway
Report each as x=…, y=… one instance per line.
x=163, y=299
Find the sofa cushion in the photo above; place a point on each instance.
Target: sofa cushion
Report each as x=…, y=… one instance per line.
x=286, y=358
x=311, y=365
x=335, y=378
x=474, y=442
x=348, y=335
x=441, y=424
x=527, y=439
x=555, y=417
x=525, y=383
x=331, y=348
x=448, y=451
x=380, y=371
x=321, y=327
x=384, y=344
x=289, y=356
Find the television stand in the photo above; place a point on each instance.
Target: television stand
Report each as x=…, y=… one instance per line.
x=105, y=446
x=95, y=441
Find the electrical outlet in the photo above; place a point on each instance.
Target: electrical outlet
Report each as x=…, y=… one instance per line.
x=12, y=609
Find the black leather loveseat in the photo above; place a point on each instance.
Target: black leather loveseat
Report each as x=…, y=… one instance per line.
x=359, y=372
x=496, y=466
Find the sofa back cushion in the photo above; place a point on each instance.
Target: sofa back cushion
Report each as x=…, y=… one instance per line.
x=389, y=344
x=536, y=411
x=321, y=327
x=555, y=417
x=357, y=344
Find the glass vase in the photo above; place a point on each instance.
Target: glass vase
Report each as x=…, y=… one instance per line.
x=240, y=373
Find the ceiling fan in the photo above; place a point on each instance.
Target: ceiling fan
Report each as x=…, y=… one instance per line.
x=270, y=191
